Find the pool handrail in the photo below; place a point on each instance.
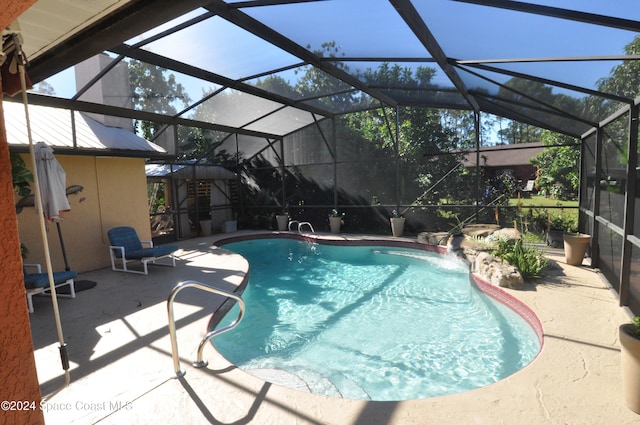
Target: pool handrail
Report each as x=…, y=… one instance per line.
x=172, y=324
x=300, y=224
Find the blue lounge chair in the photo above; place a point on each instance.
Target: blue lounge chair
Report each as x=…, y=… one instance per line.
x=126, y=246
x=38, y=283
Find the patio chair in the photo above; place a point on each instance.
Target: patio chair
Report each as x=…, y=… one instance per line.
x=38, y=283
x=529, y=188
x=126, y=246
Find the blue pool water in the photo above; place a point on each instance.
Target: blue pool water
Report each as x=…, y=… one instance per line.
x=371, y=322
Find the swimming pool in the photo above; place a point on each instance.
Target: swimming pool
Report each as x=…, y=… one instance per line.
x=371, y=322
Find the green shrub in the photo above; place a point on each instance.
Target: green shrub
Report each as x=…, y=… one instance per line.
x=542, y=220
x=636, y=326
x=564, y=223
x=528, y=260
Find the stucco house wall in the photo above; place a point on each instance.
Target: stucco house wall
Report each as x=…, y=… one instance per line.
x=114, y=194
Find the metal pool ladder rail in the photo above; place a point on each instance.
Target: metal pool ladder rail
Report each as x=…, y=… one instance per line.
x=300, y=225
x=172, y=324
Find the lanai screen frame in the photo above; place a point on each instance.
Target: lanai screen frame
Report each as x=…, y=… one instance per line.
x=110, y=34
x=610, y=216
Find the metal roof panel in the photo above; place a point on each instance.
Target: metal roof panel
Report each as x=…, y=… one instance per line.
x=54, y=127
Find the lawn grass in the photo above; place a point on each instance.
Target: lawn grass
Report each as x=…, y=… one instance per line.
x=538, y=210
x=555, y=207
x=542, y=202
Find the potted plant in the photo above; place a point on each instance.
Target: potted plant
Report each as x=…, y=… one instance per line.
x=335, y=220
x=283, y=220
x=557, y=226
x=629, y=334
x=397, y=223
x=575, y=246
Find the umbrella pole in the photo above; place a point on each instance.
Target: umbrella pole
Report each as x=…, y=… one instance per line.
x=64, y=357
x=64, y=253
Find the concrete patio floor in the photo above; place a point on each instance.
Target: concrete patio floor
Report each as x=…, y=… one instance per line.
x=122, y=370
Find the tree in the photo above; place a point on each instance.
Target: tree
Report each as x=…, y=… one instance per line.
x=624, y=79
x=154, y=89
x=522, y=91
x=315, y=83
x=462, y=123
x=557, y=174
x=538, y=101
x=200, y=144
x=426, y=137
x=519, y=132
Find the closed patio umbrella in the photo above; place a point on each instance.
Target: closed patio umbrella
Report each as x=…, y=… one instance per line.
x=53, y=193
x=53, y=183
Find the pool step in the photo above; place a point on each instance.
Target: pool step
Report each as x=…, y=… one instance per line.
x=339, y=385
x=281, y=377
x=349, y=388
x=319, y=384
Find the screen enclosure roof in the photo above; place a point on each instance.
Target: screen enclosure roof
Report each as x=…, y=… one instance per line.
x=271, y=67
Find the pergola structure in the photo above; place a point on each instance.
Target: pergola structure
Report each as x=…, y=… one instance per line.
x=549, y=64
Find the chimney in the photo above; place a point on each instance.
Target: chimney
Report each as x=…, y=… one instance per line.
x=112, y=89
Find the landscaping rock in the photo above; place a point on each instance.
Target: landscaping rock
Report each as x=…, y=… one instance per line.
x=435, y=238
x=465, y=246
x=479, y=230
x=474, y=252
x=506, y=233
x=496, y=271
x=488, y=267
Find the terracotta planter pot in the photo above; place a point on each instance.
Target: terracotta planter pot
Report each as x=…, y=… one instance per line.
x=575, y=246
x=283, y=222
x=630, y=349
x=335, y=223
x=397, y=226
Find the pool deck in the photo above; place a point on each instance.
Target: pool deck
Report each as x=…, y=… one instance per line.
x=122, y=370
